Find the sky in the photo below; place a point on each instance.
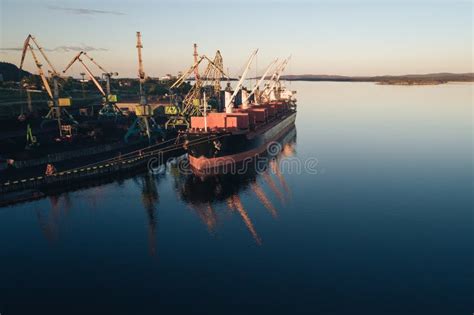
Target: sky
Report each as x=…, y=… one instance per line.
x=323, y=37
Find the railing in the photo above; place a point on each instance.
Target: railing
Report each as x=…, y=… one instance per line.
x=129, y=161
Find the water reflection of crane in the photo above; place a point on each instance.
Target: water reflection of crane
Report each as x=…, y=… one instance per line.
x=275, y=167
x=237, y=205
x=47, y=225
x=207, y=214
x=204, y=194
x=94, y=195
x=49, y=219
x=268, y=179
x=289, y=150
x=150, y=199
x=264, y=199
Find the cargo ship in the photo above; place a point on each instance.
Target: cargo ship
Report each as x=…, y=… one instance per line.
x=243, y=130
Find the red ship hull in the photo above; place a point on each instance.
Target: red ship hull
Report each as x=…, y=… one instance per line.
x=223, y=150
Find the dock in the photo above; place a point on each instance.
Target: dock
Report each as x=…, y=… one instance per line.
x=135, y=160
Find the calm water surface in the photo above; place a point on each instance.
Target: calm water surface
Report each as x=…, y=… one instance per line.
x=384, y=225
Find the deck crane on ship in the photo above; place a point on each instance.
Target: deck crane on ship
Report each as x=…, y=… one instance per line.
x=230, y=98
x=274, y=91
x=256, y=89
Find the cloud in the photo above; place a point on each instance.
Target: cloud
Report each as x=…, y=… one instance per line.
x=80, y=11
x=81, y=47
x=77, y=48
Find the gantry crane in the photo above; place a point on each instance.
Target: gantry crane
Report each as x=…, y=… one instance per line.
x=109, y=108
x=145, y=124
x=191, y=106
x=57, y=105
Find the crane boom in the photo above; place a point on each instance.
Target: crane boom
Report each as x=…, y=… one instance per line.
x=72, y=61
x=91, y=76
x=107, y=74
x=242, y=78
x=94, y=62
x=276, y=75
x=26, y=44
x=283, y=68
x=43, y=54
x=217, y=67
x=88, y=71
x=183, y=77
x=191, y=69
x=40, y=71
x=196, y=69
x=141, y=73
x=261, y=79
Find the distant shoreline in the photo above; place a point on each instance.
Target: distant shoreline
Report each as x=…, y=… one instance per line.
x=412, y=82
x=409, y=79
x=10, y=73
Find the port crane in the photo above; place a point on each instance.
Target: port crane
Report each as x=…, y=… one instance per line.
x=191, y=106
x=214, y=72
x=109, y=108
x=144, y=124
x=58, y=112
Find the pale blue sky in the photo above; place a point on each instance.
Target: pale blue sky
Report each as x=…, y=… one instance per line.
x=324, y=37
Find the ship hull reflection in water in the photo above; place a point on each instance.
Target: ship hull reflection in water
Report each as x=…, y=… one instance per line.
x=210, y=197
x=204, y=194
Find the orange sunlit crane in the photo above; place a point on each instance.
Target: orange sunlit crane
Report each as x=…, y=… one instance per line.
x=145, y=125
x=57, y=105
